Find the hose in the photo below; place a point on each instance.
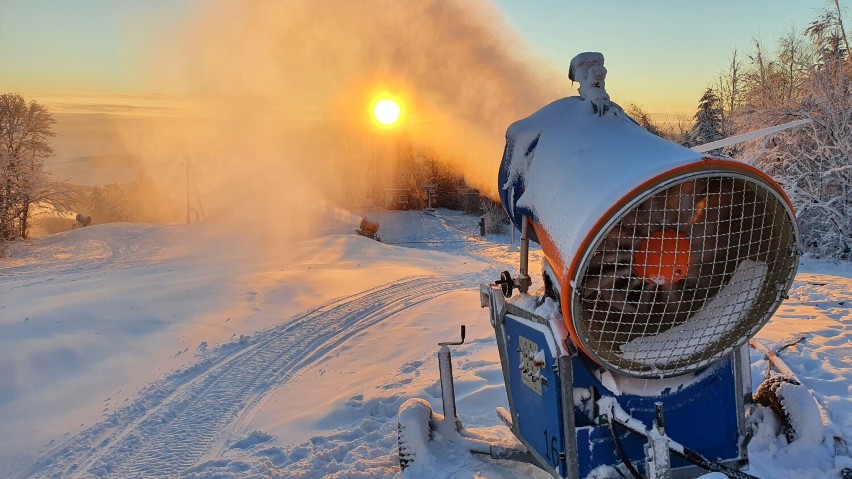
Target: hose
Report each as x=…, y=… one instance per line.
x=622, y=454
x=696, y=458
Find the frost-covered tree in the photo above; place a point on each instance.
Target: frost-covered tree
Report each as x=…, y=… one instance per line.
x=813, y=163
x=766, y=82
x=828, y=33
x=795, y=58
x=415, y=166
x=708, y=120
x=809, y=76
x=24, y=184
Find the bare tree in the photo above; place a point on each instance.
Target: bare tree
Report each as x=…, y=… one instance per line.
x=794, y=60
x=729, y=88
x=828, y=33
x=840, y=24
x=763, y=83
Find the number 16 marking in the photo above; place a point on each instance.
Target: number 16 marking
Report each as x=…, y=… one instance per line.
x=551, y=454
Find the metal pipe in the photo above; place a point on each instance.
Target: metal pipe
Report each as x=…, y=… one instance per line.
x=659, y=421
x=657, y=460
x=448, y=393
x=753, y=135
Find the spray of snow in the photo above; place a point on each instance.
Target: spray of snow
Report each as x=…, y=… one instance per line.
x=274, y=104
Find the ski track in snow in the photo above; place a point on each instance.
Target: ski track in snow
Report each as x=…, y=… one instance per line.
x=84, y=253
x=176, y=421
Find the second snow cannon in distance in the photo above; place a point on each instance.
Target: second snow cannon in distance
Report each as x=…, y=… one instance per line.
x=663, y=260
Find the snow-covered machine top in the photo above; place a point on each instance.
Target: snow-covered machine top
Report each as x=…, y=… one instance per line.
x=664, y=260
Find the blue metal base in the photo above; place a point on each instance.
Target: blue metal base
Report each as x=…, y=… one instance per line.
x=552, y=401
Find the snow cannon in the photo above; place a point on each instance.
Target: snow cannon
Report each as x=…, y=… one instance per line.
x=663, y=260
x=660, y=262
x=368, y=229
x=82, y=220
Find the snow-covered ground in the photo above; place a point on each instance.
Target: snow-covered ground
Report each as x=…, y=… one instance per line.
x=132, y=350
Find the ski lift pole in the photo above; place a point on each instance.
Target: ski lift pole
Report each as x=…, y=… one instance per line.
x=448, y=393
x=188, y=208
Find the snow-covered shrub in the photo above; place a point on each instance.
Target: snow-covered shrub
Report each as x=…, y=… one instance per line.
x=814, y=162
x=809, y=78
x=496, y=220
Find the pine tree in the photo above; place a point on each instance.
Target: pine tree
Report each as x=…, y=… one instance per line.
x=708, y=120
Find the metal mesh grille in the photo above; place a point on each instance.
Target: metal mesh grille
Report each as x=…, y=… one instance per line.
x=741, y=238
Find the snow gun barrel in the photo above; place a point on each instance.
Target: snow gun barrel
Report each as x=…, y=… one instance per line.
x=664, y=259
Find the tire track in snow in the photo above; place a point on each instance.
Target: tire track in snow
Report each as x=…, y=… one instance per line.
x=176, y=421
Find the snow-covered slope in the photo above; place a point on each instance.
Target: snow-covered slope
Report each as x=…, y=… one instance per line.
x=160, y=351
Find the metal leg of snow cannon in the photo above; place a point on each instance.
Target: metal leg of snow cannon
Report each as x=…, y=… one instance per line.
x=524, y=281
x=658, y=464
x=476, y=446
x=448, y=393
x=495, y=451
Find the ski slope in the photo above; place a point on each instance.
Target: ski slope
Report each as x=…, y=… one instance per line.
x=171, y=351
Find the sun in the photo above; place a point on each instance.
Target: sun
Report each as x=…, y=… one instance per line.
x=387, y=111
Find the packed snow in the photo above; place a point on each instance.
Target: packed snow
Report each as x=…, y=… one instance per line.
x=135, y=350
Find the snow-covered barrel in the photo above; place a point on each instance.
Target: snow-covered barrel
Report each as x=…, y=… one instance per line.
x=663, y=260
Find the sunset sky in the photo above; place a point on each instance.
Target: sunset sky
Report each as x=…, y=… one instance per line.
x=661, y=54
x=110, y=60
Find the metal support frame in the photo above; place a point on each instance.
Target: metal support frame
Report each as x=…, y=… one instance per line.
x=493, y=298
x=725, y=467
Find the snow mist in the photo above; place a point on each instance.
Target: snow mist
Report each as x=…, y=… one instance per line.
x=283, y=91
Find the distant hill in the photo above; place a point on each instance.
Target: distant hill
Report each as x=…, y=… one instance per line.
x=97, y=169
